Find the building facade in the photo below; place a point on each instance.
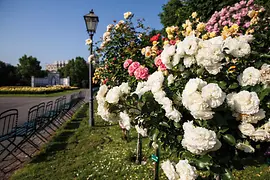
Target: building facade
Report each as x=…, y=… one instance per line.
x=56, y=65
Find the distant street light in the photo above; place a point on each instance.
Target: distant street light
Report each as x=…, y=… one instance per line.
x=91, y=22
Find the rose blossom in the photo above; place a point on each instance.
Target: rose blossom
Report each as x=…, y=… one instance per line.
x=250, y=76
x=133, y=67
x=244, y=102
x=141, y=73
x=199, y=140
x=127, y=63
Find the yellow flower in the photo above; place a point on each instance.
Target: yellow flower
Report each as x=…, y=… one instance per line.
x=205, y=36
x=143, y=51
x=170, y=36
x=165, y=42
x=155, y=42
x=234, y=28
x=254, y=20
x=200, y=27
x=251, y=13
x=250, y=31
x=188, y=30
x=212, y=34
x=194, y=15
x=232, y=69
x=184, y=25
x=168, y=30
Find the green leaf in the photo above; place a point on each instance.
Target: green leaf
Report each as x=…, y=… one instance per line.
x=155, y=135
x=233, y=85
x=263, y=93
x=177, y=125
x=229, y=139
x=204, y=162
x=227, y=175
x=222, y=84
x=164, y=124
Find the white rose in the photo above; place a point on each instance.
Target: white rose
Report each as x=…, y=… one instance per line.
x=199, y=140
x=214, y=69
x=244, y=147
x=254, y=118
x=194, y=85
x=188, y=61
x=109, y=27
x=125, y=120
x=246, y=129
x=88, y=41
x=265, y=74
x=235, y=47
x=180, y=49
x=250, y=76
x=113, y=95
x=124, y=88
x=106, y=35
x=169, y=170
x=244, y=102
x=185, y=170
x=170, y=79
x=102, y=91
x=174, y=115
x=142, y=88
x=141, y=131
x=127, y=15
x=261, y=135
x=190, y=45
x=213, y=95
x=155, y=81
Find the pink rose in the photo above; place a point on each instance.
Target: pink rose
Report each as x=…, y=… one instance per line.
x=242, y=3
x=141, y=73
x=162, y=67
x=237, y=6
x=158, y=61
x=250, y=2
x=224, y=23
x=246, y=25
x=127, y=63
x=133, y=67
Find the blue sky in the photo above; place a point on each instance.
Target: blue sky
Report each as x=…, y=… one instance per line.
x=54, y=30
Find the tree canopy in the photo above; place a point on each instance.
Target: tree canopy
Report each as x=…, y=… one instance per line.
x=77, y=70
x=28, y=66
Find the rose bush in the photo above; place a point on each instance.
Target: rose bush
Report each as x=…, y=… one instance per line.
x=205, y=98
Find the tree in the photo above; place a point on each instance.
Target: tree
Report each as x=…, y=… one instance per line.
x=28, y=66
x=78, y=72
x=9, y=72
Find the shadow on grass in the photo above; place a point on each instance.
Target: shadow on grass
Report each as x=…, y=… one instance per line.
x=59, y=142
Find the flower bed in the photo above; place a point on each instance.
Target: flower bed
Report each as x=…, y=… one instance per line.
x=34, y=90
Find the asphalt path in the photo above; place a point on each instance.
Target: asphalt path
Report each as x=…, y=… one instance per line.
x=24, y=103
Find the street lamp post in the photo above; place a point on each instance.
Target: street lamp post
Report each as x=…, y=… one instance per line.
x=91, y=22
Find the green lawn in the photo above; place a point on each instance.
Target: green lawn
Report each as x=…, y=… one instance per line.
x=80, y=152
x=41, y=95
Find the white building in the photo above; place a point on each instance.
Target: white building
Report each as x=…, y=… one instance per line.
x=56, y=65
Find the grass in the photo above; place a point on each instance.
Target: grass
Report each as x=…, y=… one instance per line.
x=41, y=95
x=80, y=152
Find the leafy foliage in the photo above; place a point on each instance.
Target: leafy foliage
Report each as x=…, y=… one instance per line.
x=78, y=71
x=28, y=66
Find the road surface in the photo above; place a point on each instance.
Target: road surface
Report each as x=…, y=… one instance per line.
x=24, y=103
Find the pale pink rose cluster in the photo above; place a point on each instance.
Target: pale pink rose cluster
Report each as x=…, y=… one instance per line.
x=135, y=69
x=159, y=64
x=237, y=14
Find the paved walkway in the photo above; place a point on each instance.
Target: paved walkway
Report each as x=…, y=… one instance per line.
x=24, y=103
